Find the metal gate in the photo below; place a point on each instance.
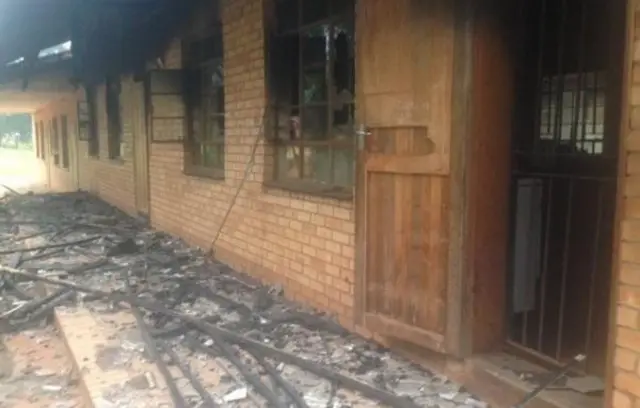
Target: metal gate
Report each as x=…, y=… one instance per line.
x=563, y=183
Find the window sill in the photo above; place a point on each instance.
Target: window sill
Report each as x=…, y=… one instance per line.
x=312, y=189
x=204, y=172
x=118, y=161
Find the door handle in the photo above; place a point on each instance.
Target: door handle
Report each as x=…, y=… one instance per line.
x=361, y=135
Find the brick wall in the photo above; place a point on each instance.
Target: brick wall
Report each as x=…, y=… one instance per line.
x=303, y=242
x=112, y=180
x=626, y=371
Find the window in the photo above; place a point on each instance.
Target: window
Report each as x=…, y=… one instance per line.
x=84, y=127
x=114, y=117
x=204, y=79
x=38, y=146
x=55, y=141
x=578, y=126
x=311, y=88
x=64, y=131
x=92, y=112
x=43, y=144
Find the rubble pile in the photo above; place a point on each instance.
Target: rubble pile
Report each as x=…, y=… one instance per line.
x=193, y=315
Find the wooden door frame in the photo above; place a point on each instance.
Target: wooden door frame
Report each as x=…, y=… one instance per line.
x=359, y=205
x=462, y=217
x=76, y=142
x=458, y=325
x=46, y=136
x=463, y=214
x=481, y=177
x=459, y=284
x=137, y=95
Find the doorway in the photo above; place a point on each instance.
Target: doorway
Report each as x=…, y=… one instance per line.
x=563, y=182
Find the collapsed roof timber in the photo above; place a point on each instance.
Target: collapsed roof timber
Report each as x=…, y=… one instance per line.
x=109, y=37
x=192, y=309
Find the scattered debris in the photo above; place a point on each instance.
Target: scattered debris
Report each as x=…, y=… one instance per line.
x=152, y=349
x=236, y=395
x=186, y=371
x=193, y=316
x=560, y=374
x=142, y=381
x=35, y=371
x=52, y=388
x=586, y=384
x=9, y=189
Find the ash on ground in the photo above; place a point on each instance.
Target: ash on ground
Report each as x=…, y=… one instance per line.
x=80, y=239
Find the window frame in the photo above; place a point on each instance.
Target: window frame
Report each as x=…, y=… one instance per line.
x=93, y=142
x=302, y=184
x=55, y=141
x=84, y=126
x=64, y=141
x=113, y=108
x=197, y=100
x=37, y=142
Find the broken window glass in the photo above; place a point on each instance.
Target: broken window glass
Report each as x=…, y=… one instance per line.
x=205, y=99
x=114, y=117
x=311, y=89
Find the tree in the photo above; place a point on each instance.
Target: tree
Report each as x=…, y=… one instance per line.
x=18, y=124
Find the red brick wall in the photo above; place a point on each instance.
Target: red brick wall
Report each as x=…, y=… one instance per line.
x=303, y=242
x=112, y=180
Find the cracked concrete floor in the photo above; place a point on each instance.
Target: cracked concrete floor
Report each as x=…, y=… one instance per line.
x=35, y=372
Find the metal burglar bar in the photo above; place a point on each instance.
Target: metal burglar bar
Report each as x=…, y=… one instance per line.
x=563, y=184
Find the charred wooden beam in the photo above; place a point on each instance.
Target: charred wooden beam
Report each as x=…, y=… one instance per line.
x=34, y=305
x=179, y=329
x=280, y=381
x=16, y=290
x=46, y=312
x=216, y=332
x=229, y=354
x=152, y=349
x=186, y=371
x=51, y=246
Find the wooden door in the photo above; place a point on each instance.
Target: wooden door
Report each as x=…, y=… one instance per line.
x=141, y=148
x=404, y=65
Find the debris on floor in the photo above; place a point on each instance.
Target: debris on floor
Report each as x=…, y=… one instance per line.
x=35, y=372
x=213, y=336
